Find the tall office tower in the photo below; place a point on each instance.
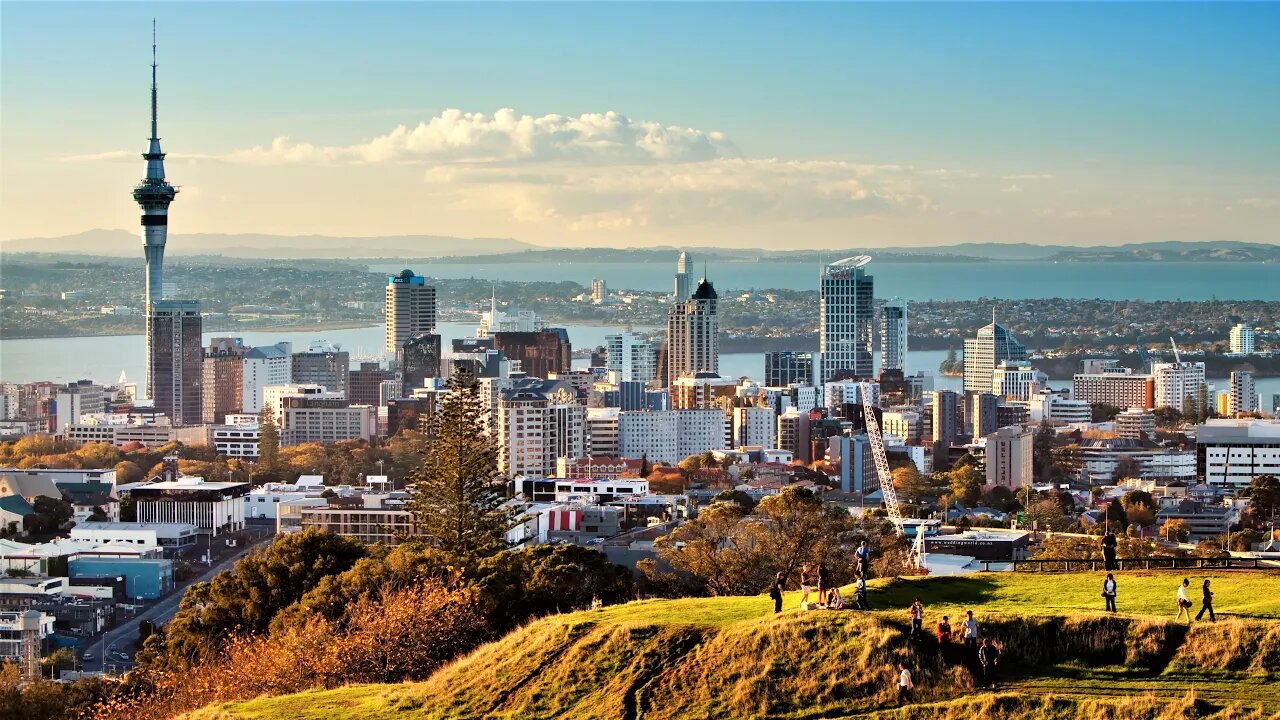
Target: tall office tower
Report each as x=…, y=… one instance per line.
x=365, y=383
x=983, y=354
x=265, y=366
x=325, y=365
x=683, y=276
x=981, y=411
x=418, y=360
x=1242, y=398
x=693, y=334
x=893, y=335
x=1242, y=339
x=176, y=362
x=787, y=367
x=223, y=379
x=633, y=357
x=153, y=196
x=846, y=334
x=1179, y=385
x=539, y=353
x=411, y=308
x=945, y=411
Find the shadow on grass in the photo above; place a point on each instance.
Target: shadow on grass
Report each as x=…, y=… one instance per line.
x=900, y=593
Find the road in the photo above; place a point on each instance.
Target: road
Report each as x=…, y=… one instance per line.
x=123, y=637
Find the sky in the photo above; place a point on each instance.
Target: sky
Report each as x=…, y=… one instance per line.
x=609, y=124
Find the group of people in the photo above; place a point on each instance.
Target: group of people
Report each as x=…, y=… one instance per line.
x=1183, y=603
x=979, y=653
x=818, y=579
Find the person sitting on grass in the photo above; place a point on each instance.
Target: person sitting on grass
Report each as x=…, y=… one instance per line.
x=860, y=594
x=835, y=601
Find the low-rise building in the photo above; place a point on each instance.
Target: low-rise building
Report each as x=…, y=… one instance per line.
x=213, y=507
x=1233, y=452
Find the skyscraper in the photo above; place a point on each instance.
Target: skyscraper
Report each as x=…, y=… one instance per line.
x=410, y=309
x=1242, y=339
x=419, y=359
x=693, y=334
x=846, y=334
x=325, y=365
x=785, y=367
x=682, y=289
x=176, y=360
x=1243, y=398
x=153, y=196
x=223, y=379
x=983, y=354
x=633, y=357
x=893, y=335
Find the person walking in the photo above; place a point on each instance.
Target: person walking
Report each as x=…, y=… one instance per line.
x=969, y=629
x=860, y=594
x=989, y=657
x=1109, y=592
x=863, y=556
x=824, y=582
x=1109, y=551
x=905, y=685
x=775, y=592
x=1184, y=602
x=805, y=578
x=944, y=638
x=1206, y=603
x=917, y=620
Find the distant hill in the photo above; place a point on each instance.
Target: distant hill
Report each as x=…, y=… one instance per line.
x=249, y=245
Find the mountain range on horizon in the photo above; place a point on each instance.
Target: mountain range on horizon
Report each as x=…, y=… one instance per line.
x=124, y=243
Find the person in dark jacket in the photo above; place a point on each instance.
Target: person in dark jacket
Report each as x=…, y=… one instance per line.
x=1109, y=592
x=989, y=657
x=775, y=592
x=1109, y=551
x=1206, y=602
x=824, y=583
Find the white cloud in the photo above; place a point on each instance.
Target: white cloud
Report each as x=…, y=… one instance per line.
x=1012, y=189
x=1257, y=203
x=508, y=137
x=1028, y=176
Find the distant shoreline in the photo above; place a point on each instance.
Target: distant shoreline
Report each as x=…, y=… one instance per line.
x=302, y=327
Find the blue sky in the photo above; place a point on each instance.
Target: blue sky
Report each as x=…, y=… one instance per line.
x=902, y=124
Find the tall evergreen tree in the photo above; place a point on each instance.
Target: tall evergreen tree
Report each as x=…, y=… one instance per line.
x=268, y=439
x=457, y=493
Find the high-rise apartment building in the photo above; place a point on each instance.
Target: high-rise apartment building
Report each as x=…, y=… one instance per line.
x=693, y=334
x=365, y=383
x=993, y=345
x=176, y=363
x=946, y=414
x=1016, y=380
x=599, y=290
x=669, y=436
x=153, y=196
x=539, y=421
x=223, y=381
x=684, y=276
x=633, y=357
x=1242, y=396
x=788, y=367
x=1009, y=457
x=981, y=413
x=324, y=365
x=755, y=427
x=1242, y=339
x=264, y=366
x=410, y=309
x=846, y=335
x=1136, y=424
x=700, y=391
x=1179, y=385
x=1116, y=386
x=893, y=335
x=76, y=399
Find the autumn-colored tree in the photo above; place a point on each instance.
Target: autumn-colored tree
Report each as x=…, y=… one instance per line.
x=964, y=484
x=720, y=550
x=268, y=439
x=1175, y=530
x=797, y=527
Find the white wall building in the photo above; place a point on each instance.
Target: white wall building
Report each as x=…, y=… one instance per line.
x=1134, y=423
x=239, y=440
x=1242, y=397
x=602, y=431
x=755, y=426
x=1233, y=452
x=1009, y=452
x=669, y=436
x=1242, y=339
x=215, y=507
x=633, y=357
x=1178, y=383
x=1054, y=408
x=539, y=421
x=265, y=366
x=906, y=424
x=848, y=392
x=1016, y=380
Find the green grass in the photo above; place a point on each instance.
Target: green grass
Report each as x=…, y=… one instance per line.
x=731, y=657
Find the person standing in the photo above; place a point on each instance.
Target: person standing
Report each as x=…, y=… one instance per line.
x=805, y=578
x=917, y=620
x=1109, y=551
x=863, y=556
x=775, y=592
x=905, y=685
x=824, y=582
x=1206, y=603
x=989, y=656
x=1109, y=592
x=944, y=638
x=970, y=631
x=860, y=594
x=1184, y=602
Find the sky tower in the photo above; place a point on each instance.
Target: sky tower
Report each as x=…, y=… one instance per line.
x=153, y=196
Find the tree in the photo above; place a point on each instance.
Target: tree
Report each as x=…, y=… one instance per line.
x=1175, y=530
x=1264, y=496
x=1127, y=467
x=743, y=500
x=457, y=496
x=268, y=439
x=797, y=527
x=714, y=548
x=1104, y=412
x=1167, y=417
x=1001, y=498
x=127, y=471
x=1116, y=517
x=50, y=514
x=910, y=484
x=965, y=484
x=1042, y=451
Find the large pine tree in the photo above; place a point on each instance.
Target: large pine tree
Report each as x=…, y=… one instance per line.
x=457, y=493
x=268, y=439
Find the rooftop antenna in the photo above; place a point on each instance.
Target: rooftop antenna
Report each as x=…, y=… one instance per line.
x=153, y=79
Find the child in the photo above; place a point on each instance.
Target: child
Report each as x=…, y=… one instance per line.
x=804, y=585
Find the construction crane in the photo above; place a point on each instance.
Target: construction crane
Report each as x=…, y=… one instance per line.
x=1177, y=357
x=915, y=554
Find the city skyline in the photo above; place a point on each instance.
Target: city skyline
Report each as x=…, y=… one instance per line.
x=891, y=125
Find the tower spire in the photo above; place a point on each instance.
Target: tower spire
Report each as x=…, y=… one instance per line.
x=154, y=132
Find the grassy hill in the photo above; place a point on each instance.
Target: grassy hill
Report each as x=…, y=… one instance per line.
x=731, y=657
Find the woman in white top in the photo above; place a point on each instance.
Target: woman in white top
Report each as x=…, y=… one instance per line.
x=905, y=686
x=1109, y=592
x=1184, y=602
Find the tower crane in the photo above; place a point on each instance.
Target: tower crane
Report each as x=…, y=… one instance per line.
x=915, y=556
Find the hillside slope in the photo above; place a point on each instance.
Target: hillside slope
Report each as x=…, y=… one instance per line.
x=731, y=657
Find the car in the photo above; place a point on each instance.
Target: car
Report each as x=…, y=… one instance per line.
x=596, y=541
x=87, y=656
